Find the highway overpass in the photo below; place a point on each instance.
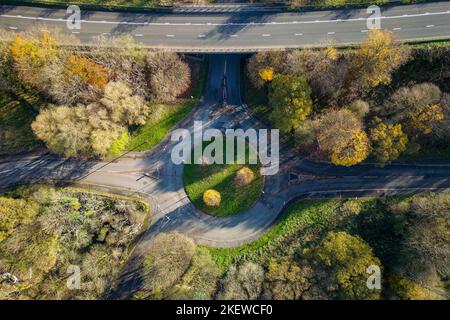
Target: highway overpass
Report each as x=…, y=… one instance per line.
x=240, y=31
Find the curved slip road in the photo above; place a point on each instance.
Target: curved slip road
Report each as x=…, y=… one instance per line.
x=240, y=31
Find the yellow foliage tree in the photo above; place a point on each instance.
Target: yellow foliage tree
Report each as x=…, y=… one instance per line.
x=244, y=177
x=425, y=119
x=352, y=151
x=388, y=141
x=31, y=54
x=377, y=57
x=267, y=74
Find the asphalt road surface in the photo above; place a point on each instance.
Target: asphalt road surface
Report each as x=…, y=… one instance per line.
x=239, y=31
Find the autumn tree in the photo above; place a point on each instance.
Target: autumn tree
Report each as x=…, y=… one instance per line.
x=167, y=259
x=345, y=259
x=126, y=61
x=376, y=58
x=86, y=130
x=359, y=107
x=388, y=141
x=289, y=96
x=286, y=279
x=31, y=54
x=14, y=212
x=168, y=75
x=242, y=283
x=265, y=63
x=340, y=137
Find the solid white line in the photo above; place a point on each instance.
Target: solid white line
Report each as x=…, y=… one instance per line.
x=227, y=24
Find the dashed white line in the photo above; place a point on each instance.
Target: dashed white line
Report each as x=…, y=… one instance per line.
x=201, y=36
x=13, y=28
x=138, y=35
x=397, y=29
x=234, y=35
x=75, y=32
x=266, y=35
x=170, y=35
x=299, y=34
x=430, y=26
x=331, y=32
x=363, y=31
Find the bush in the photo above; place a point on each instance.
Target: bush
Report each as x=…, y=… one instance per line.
x=359, y=107
x=166, y=261
x=211, y=198
x=244, y=177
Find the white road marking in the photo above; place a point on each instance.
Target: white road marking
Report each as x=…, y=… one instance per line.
x=138, y=35
x=13, y=28
x=201, y=35
x=430, y=26
x=266, y=35
x=299, y=34
x=331, y=32
x=170, y=35
x=75, y=32
x=234, y=35
x=363, y=31
x=106, y=34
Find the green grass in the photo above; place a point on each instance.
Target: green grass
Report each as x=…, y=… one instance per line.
x=15, y=125
x=156, y=128
x=199, y=178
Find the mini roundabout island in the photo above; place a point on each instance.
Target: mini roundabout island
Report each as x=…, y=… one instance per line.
x=226, y=189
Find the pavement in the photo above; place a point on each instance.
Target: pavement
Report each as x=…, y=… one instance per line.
x=156, y=178
x=240, y=31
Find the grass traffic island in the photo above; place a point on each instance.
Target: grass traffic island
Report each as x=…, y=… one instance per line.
x=223, y=182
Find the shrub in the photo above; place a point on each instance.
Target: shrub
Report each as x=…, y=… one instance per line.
x=359, y=107
x=212, y=198
x=244, y=177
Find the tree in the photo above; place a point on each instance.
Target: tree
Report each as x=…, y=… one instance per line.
x=291, y=101
x=199, y=281
x=353, y=151
x=345, y=259
x=405, y=289
x=267, y=74
x=31, y=54
x=265, y=60
x=388, y=141
x=427, y=240
x=92, y=129
x=167, y=259
x=340, y=137
x=406, y=102
x=244, y=177
x=168, y=75
x=359, y=107
x=286, y=279
x=14, y=212
x=376, y=58
x=212, y=198
x=243, y=283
